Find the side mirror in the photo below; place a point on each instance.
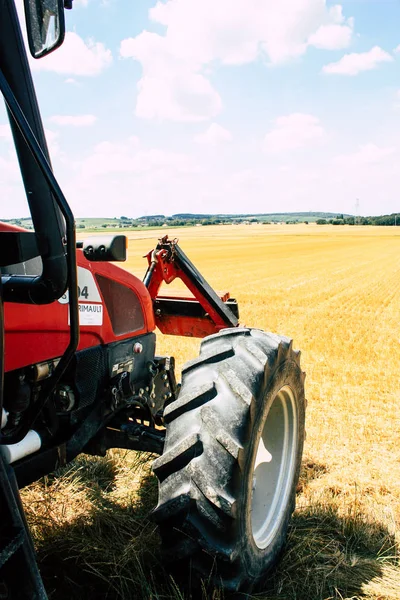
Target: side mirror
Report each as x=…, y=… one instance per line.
x=104, y=248
x=45, y=25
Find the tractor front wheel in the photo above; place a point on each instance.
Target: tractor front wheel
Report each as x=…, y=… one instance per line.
x=231, y=461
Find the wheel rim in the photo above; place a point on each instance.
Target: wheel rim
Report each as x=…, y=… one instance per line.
x=274, y=467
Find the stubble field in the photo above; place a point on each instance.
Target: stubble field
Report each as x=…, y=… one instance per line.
x=336, y=291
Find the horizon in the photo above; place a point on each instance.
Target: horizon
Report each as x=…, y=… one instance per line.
x=230, y=216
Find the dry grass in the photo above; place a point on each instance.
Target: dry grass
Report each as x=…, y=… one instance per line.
x=336, y=291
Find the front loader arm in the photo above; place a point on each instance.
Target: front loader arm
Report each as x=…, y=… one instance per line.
x=203, y=313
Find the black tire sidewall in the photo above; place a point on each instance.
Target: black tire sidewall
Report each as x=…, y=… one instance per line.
x=257, y=561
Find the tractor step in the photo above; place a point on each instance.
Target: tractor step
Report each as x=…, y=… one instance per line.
x=11, y=539
x=17, y=554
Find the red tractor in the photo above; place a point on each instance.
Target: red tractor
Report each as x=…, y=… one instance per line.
x=80, y=372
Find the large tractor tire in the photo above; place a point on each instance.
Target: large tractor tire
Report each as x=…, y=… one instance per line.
x=231, y=462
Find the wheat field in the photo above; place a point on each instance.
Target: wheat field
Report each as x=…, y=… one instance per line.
x=336, y=291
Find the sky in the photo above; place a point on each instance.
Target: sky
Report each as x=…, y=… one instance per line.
x=220, y=106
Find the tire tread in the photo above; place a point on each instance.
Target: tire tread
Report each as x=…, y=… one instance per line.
x=207, y=430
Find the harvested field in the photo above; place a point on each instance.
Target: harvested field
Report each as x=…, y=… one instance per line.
x=336, y=291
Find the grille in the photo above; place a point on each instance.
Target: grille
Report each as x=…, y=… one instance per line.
x=91, y=374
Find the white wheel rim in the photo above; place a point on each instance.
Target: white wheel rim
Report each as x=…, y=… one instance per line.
x=274, y=468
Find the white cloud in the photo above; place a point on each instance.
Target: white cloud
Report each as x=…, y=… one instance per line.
x=336, y=14
x=331, y=37
x=352, y=64
x=396, y=103
x=370, y=173
x=182, y=97
x=125, y=178
x=293, y=131
x=366, y=155
x=5, y=132
x=334, y=34
x=75, y=57
x=397, y=49
x=214, y=135
x=169, y=88
x=73, y=120
x=129, y=158
x=71, y=81
x=238, y=32
x=200, y=33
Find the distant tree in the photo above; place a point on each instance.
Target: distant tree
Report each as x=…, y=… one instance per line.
x=104, y=225
x=321, y=221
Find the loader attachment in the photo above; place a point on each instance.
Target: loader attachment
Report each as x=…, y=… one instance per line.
x=202, y=313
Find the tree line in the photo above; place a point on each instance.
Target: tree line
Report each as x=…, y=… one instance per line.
x=393, y=219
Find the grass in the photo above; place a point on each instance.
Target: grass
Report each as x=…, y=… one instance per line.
x=336, y=291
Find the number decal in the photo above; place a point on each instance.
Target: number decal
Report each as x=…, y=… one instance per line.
x=87, y=289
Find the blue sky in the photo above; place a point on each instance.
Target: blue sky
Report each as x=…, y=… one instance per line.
x=221, y=106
